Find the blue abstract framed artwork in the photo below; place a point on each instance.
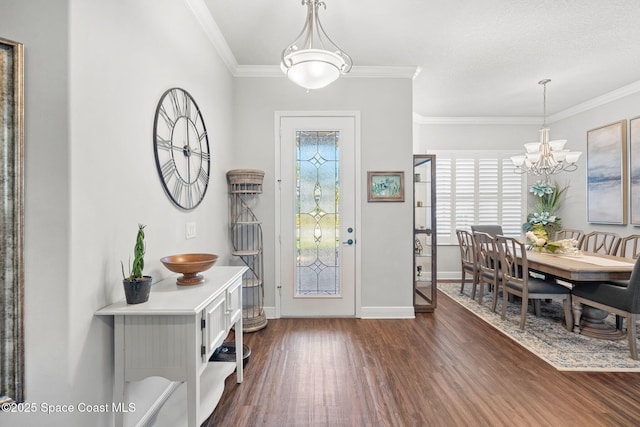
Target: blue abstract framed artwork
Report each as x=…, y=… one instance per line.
x=607, y=174
x=385, y=186
x=634, y=163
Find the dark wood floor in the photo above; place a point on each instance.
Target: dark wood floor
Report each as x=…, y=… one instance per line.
x=446, y=368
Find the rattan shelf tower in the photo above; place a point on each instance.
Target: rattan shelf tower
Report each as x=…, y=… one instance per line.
x=246, y=233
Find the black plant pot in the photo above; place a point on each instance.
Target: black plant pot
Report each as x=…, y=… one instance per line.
x=137, y=291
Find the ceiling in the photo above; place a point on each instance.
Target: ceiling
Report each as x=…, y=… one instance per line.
x=476, y=58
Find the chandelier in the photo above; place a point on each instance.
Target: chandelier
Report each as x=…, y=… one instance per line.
x=546, y=157
x=313, y=61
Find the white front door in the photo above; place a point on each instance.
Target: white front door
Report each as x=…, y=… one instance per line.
x=317, y=215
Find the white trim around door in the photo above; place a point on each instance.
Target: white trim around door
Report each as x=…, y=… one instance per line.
x=357, y=200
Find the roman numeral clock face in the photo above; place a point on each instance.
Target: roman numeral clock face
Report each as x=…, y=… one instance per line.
x=181, y=148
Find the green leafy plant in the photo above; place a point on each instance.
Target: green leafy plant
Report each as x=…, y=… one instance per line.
x=547, y=201
x=135, y=269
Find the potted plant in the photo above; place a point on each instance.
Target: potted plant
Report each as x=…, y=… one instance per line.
x=137, y=286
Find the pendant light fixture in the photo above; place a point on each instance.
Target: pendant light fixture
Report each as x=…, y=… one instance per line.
x=313, y=61
x=546, y=157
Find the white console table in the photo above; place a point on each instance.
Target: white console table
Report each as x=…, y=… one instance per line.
x=173, y=335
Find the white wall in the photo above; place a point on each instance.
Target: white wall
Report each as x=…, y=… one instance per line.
x=95, y=71
x=385, y=237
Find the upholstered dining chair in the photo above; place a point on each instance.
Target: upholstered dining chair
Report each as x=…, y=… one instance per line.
x=623, y=301
x=569, y=233
x=468, y=259
x=489, y=265
x=629, y=246
x=491, y=230
x=601, y=242
x=517, y=281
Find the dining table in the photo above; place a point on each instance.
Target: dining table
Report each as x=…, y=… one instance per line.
x=574, y=269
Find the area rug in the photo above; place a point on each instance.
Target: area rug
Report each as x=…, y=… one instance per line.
x=545, y=336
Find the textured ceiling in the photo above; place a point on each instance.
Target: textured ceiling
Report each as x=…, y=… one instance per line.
x=478, y=58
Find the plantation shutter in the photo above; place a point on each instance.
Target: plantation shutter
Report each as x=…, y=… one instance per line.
x=444, y=198
x=477, y=188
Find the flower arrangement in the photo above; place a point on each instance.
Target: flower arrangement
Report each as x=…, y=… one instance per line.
x=548, y=198
x=543, y=223
x=539, y=240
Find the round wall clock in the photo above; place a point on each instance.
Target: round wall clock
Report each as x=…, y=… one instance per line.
x=181, y=148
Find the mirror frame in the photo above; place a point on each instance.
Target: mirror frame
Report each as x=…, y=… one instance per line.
x=12, y=225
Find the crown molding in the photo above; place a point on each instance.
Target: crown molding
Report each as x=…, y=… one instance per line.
x=258, y=71
x=493, y=120
x=614, y=95
x=211, y=29
x=356, y=72
x=598, y=101
x=389, y=72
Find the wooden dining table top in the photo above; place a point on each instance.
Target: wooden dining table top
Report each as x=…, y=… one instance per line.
x=582, y=268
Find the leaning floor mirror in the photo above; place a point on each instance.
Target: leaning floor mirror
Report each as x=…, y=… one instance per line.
x=11, y=228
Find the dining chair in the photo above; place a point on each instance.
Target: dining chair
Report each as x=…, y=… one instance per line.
x=623, y=301
x=629, y=246
x=601, y=242
x=517, y=281
x=569, y=233
x=489, y=265
x=492, y=230
x=468, y=259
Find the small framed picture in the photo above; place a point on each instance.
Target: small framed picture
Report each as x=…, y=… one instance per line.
x=385, y=186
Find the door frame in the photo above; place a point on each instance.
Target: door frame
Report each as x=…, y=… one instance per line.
x=278, y=116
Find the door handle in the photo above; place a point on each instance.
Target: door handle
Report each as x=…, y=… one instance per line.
x=349, y=242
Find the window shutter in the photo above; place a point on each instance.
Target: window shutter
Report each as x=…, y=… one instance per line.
x=465, y=192
x=444, y=199
x=513, y=199
x=488, y=191
x=477, y=188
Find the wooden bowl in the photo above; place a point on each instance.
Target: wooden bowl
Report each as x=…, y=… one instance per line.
x=189, y=265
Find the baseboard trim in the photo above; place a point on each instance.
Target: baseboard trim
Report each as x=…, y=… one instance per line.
x=444, y=276
x=387, y=313
x=367, y=313
x=270, y=312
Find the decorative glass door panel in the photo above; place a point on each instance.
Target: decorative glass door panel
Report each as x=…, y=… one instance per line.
x=317, y=216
